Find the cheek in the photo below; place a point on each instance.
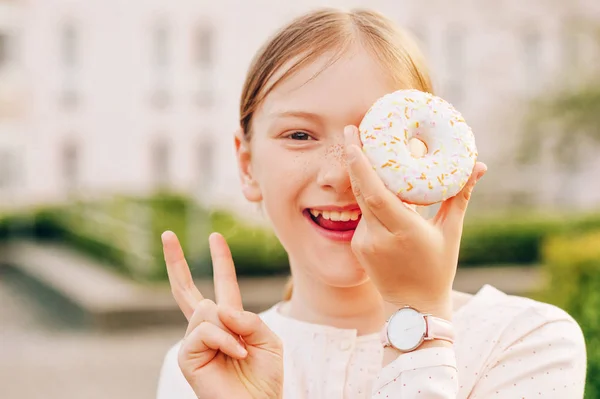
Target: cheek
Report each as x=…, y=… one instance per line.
x=281, y=169
x=336, y=154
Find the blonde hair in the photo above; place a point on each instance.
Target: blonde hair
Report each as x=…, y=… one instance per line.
x=311, y=35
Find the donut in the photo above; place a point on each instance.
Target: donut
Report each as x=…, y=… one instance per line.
x=386, y=131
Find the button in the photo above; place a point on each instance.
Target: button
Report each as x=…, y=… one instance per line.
x=346, y=345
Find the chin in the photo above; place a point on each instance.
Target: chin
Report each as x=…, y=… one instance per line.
x=337, y=269
x=325, y=256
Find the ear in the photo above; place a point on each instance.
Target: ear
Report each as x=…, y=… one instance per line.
x=250, y=187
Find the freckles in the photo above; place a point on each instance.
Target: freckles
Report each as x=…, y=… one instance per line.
x=336, y=153
x=301, y=163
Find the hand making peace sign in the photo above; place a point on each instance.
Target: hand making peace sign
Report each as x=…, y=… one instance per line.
x=227, y=352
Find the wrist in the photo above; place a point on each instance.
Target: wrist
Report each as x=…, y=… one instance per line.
x=442, y=310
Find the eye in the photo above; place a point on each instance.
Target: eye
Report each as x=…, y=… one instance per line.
x=300, y=136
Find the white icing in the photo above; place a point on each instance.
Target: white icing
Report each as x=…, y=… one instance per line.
x=451, y=152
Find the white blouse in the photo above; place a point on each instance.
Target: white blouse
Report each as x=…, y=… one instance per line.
x=505, y=347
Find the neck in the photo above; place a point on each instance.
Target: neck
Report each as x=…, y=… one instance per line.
x=359, y=307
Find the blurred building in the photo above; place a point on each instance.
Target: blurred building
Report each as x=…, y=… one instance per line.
x=104, y=96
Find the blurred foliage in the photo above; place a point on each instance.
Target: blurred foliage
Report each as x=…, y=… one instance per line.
x=572, y=263
x=571, y=119
x=124, y=233
x=516, y=239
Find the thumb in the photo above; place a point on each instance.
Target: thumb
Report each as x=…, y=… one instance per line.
x=352, y=136
x=250, y=327
x=453, y=210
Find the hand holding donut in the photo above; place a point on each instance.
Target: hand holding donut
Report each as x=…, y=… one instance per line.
x=227, y=352
x=411, y=260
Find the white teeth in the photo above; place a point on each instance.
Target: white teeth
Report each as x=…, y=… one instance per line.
x=315, y=212
x=337, y=215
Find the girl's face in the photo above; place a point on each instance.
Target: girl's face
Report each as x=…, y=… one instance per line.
x=295, y=162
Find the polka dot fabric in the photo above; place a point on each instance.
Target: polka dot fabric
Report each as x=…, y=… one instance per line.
x=506, y=347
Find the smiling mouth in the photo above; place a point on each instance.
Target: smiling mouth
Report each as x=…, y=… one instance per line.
x=335, y=220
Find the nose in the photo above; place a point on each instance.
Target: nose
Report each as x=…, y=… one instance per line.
x=333, y=174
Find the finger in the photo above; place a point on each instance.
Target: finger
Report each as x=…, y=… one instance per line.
x=250, y=327
x=227, y=290
x=370, y=191
x=452, y=211
x=351, y=138
x=203, y=342
x=206, y=311
x=184, y=291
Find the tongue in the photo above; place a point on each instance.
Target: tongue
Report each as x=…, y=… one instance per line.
x=336, y=225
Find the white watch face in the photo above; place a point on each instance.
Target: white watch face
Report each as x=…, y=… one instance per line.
x=406, y=329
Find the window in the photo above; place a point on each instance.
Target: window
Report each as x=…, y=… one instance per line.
x=570, y=50
x=203, y=47
x=455, y=56
x=7, y=169
x=69, y=47
x=203, y=57
x=70, y=60
x=532, y=60
x=70, y=165
x=4, y=49
x=206, y=157
x=160, y=159
x=160, y=47
x=160, y=97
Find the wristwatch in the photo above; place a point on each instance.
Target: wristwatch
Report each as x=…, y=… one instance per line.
x=408, y=328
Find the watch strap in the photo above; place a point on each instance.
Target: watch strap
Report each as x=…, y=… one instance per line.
x=383, y=336
x=438, y=328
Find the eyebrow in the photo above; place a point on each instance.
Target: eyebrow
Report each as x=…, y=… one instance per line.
x=297, y=114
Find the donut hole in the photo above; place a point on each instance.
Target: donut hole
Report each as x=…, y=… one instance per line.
x=418, y=148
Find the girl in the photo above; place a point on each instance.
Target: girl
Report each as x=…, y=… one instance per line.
x=358, y=255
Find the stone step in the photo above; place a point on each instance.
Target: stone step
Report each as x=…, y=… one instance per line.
x=107, y=300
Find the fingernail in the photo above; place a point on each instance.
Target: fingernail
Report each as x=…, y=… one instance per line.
x=348, y=132
x=480, y=175
x=242, y=351
x=165, y=235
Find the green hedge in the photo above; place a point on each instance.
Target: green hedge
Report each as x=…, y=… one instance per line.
x=512, y=240
x=516, y=239
x=572, y=263
x=256, y=251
